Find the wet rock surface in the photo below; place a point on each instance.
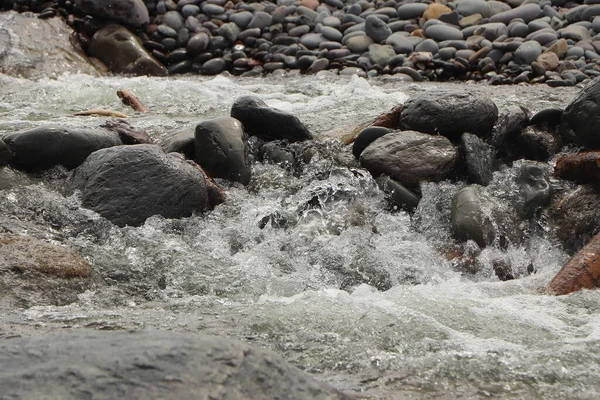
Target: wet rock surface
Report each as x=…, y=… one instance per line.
x=128, y=184
x=150, y=364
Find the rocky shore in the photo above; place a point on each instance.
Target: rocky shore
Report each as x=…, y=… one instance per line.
x=503, y=42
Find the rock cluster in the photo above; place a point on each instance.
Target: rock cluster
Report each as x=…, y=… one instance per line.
x=505, y=42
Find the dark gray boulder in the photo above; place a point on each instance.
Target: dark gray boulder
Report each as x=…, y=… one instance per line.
x=468, y=218
x=261, y=120
x=397, y=195
x=478, y=157
x=410, y=157
x=221, y=149
x=123, y=52
x=128, y=184
x=44, y=147
x=506, y=132
x=538, y=144
x=150, y=365
x=582, y=116
x=449, y=114
x=376, y=29
x=366, y=137
x=128, y=12
x=182, y=141
x=6, y=155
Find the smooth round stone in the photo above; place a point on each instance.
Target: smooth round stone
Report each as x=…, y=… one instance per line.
x=354, y=9
x=299, y=30
x=335, y=3
x=333, y=22
x=470, y=7
x=388, y=11
x=331, y=33
x=347, y=36
x=544, y=38
x=518, y=29
x=464, y=53
x=173, y=19
x=443, y=32
x=397, y=26
x=190, y=10
x=527, y=12
x=318, y=65
x=575, y=32
x=428, y=45
x=241, y=19
x=252, y=32
x=538, y=24
x=167, y=31
x=260, y=20
x=492, y=31
x=596, y=24
x=447, y=53
x=457, y=44
x=312, y=40
x=169, y=43
x=381, y=54
x=590, y=13
x=356, y=28
x=180, y=68
x=307, y=12
x=527, y=53
x=497, y=7
x=377, y=29
x=161, y=7
x=198, y=44
x=359, y=44
x=330, y=46
x=285, y=40
x=214, y=66
x=403, y=44
x=411, y=10
x=212, y=9
x=272, y=66
x=193, y=24
x=229, y=31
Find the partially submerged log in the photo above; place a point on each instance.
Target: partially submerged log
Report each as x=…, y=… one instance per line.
x=129, y=99
x=582, y=271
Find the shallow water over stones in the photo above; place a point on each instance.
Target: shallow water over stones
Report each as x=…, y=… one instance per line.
x=310, y=262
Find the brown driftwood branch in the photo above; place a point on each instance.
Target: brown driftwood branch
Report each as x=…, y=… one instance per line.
x=130, y=100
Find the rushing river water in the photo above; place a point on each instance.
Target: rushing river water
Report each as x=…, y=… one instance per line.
x=266, y=268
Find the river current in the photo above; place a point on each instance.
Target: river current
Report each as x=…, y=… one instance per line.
x=314, y=266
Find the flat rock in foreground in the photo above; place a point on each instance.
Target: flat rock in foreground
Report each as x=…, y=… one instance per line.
x=149, y=365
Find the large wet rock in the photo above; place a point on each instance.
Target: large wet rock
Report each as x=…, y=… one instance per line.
x=450, y=114
x=261, y=120
x=128, y=184
x=34, y=48
x=43, y=147
x=478, y=158
x=128, y=12
x=123, y=52
x=222, y=149
x=410, y=157
x=149, y=365
x=6, y=155
x=534, y=188
x=582, y=115
x=34, y=272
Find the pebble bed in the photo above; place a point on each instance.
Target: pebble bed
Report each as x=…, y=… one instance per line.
x=504, y=42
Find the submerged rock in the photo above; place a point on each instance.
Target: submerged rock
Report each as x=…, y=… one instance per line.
x=222, y=149
x=450, y=114
x=262, y=120
x=128, y=184
x=410, y=157
x=469, y=220
x=44, y=147
x=150, y=364
x=123, y=52
x=478, y=158
x=534, y=187
x=34, y=272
